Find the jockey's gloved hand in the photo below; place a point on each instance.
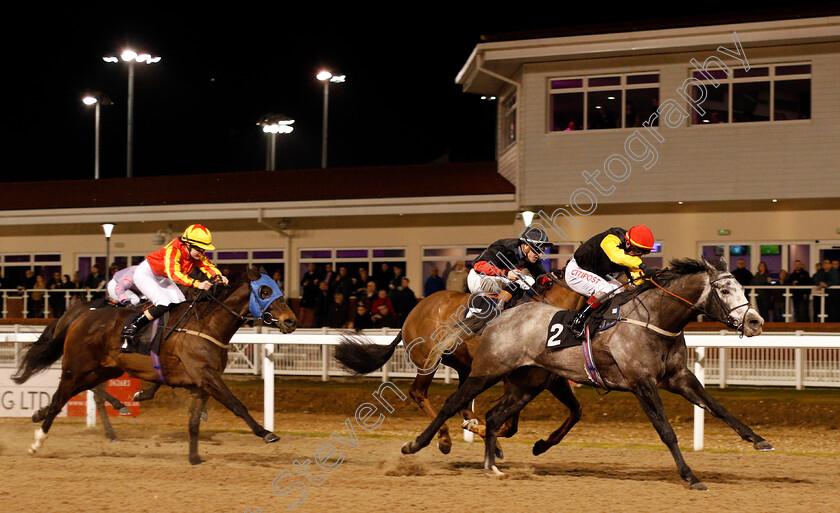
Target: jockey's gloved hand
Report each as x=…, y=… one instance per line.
x=648, y=271
x=544, y=280
x=525, y=282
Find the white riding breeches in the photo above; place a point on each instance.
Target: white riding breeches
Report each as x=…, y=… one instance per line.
x=160, y=290
x=588, y=283
x=481, y=283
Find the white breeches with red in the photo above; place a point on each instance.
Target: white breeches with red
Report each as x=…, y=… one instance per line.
x=588, y=283
x=160, y=290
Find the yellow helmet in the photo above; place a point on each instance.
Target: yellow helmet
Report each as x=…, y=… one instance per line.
x=198, y=235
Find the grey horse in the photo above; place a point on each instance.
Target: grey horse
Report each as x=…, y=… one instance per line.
x=644, y=351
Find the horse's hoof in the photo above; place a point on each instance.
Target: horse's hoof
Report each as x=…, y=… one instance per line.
x=444, y=448
x=203, y=416
x=32, y=450
x=540, y=447
x=196, y=460
x=271, y=437
x=763, y=446
x=493, y=471
x=125, y=411
x=500, y=454
x=699, y=486
x=409, y=448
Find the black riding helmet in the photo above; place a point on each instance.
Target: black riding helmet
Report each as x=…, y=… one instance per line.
x=536, y=239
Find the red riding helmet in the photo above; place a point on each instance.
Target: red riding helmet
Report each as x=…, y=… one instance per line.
x=640, y=237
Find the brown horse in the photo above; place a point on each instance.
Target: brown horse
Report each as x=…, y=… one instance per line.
x=55, y=331
x=193, y=356
x=431, y=319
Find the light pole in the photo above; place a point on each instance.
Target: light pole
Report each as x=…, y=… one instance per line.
x=107, y=228
x=92, y=100
x=273, y=124
x=326, y=77
x=130, y=57
x=96, y=99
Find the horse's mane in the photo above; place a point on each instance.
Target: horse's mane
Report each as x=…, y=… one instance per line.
x=221, y=294
x=677, y=268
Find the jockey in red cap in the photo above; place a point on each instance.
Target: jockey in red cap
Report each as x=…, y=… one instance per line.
x=612, y=252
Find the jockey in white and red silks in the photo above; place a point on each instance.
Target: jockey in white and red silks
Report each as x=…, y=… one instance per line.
x=498, y=271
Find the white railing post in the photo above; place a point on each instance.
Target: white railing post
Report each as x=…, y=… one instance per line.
x=723, y=365
x=90, y=409
x=447, y=374
x=822, y=315
x=798, y=365
x=268, y=386
x=325, y=358
x=699, y=418
x=788, y=295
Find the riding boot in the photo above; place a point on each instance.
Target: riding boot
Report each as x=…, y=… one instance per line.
x=579, y=322
x=131, y=330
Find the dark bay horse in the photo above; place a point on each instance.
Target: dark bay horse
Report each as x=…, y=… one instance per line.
x=432, y=319
x=53, y=337
x=644, y=351
x=193, y=356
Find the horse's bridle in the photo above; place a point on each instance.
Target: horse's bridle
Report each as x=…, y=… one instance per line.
x=728, y=318
x=266, y=317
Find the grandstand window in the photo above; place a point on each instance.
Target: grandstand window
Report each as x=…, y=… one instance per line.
x=14, y=267
x=354, y=259
x=602, y=102
x=773, y=92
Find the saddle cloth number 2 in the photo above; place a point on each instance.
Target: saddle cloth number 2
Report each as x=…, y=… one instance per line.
x=554, y=339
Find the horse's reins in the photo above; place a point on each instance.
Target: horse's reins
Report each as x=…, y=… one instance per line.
x=213, y=297
x=728, y=311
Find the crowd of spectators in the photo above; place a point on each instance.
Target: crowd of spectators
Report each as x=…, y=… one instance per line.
x=771, y=303
x=383, y=300
x=42, y=290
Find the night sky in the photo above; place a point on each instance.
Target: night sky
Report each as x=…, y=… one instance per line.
x=222, y=69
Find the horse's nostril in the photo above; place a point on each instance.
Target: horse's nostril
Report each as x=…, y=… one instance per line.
x=290, y=322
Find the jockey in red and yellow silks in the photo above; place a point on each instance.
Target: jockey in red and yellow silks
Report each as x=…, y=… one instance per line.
x=175, y=262
x=157, y=276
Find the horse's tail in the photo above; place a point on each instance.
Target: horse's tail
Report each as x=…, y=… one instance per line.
x=359, y=355
x=50, y=345
x=40, y=355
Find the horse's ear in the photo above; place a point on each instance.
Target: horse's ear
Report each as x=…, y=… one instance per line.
x=253, y=274
x=262, y=270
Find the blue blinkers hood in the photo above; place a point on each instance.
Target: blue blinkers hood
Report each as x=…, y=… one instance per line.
x=259, y=305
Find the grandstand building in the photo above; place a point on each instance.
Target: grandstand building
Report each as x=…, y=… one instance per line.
x=724, y=139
